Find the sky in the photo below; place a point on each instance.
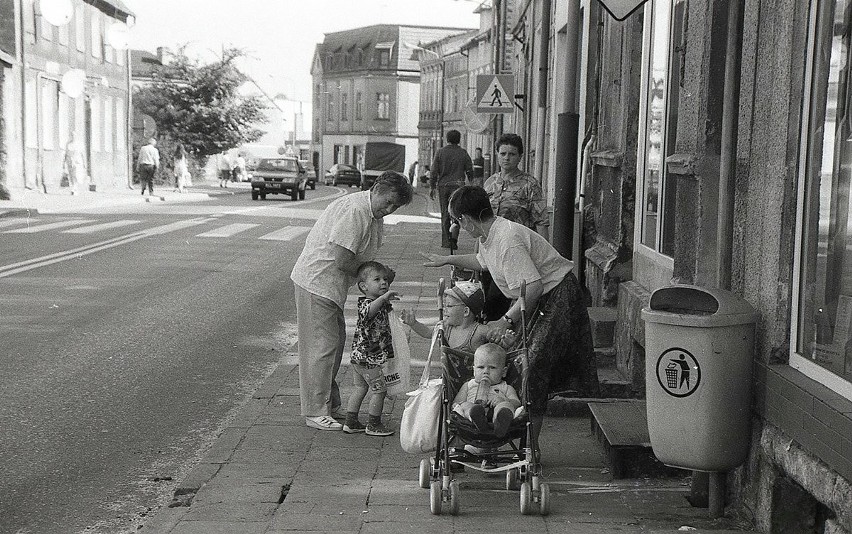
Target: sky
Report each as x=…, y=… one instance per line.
x=279, y=36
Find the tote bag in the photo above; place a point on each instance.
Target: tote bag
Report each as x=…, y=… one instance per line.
x=418, y=428
x=397, y=370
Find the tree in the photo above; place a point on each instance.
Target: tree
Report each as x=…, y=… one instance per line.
x=199, y=105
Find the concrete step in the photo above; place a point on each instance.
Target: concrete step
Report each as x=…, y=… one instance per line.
x=613, y=383
x=603, y=320
x=621, y=426
x=605, y=356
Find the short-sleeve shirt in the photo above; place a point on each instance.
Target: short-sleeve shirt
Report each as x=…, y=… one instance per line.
x=519, y=199
x=451, y=166
x=347, y=222
x=514, y=253
x=149, y=155
x=372, y=343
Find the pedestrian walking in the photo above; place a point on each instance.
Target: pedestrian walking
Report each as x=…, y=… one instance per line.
x=372, y=346
x=182, y=177
x=238, y=173
x=347, y=233
x=223, y=164
x=412, y=174
x=451, y=169
x=74, y=166
x=147, y=164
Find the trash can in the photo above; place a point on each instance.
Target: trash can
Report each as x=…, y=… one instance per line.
x=698, y=360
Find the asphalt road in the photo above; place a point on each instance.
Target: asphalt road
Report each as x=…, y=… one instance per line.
x=125, y=348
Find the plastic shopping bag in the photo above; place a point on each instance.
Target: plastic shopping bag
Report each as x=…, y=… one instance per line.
x=397, y=370
x=418, y=428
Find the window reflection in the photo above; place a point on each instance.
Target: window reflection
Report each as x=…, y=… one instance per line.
x=663, y=92
x=825, y=321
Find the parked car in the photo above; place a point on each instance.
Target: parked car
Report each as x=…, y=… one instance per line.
x=340, y=174
x=311, y=173
x=279, y=175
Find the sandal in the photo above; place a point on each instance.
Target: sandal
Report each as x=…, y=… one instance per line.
x=323, y=422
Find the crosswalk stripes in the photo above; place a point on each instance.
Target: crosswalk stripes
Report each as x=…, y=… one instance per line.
x=90, y=226
x=49, y=226
x=228, y=230
x=285, y=234
x=99, y=227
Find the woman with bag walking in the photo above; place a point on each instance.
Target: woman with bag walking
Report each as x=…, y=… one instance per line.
x=559, y=333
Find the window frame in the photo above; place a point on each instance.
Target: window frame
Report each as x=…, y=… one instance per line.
x=654, y=253
x=797, y=360
x=382, y=105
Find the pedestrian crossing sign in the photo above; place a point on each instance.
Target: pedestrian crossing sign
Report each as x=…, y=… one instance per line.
x=495, y=93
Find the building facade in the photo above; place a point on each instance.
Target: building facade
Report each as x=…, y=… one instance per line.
x=709, y=141
x=41, y=114
x=366, y=88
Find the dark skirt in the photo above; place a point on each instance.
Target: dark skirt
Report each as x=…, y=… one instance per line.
x=559, y=343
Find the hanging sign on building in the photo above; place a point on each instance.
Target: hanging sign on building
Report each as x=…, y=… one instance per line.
x=621, y=9
x=495, y=93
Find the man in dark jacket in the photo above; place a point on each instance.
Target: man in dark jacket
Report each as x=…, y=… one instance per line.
x=451, y=169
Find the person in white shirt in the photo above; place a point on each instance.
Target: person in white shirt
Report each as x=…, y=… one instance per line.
x=147, y=165
x=348, y=233
x=223, y=163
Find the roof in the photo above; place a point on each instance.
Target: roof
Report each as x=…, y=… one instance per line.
x=358, y=46
x=144, y=64
x=115, y=7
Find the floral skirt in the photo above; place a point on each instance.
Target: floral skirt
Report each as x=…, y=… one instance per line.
x=560, y=348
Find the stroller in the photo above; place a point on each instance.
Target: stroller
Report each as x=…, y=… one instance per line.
x=460, y=443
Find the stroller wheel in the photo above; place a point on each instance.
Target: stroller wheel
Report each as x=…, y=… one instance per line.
x=526, y=498
x=512, y=479
x=425, y=473
x=454, y=497
x=435, y=497
x=544, y=499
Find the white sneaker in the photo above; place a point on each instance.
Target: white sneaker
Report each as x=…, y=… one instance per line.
x=323, y=422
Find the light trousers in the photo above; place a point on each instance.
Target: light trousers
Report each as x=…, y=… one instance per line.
x=322, y=336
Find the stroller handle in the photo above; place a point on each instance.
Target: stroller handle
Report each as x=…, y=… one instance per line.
x=441, y=287
x=523, y=298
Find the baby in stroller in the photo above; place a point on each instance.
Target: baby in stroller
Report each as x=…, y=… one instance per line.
x=488, y=392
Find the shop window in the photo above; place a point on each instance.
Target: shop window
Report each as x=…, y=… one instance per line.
x=97, y=123
x=120, y=125
x=108, y=137
x=658, y=122
x=822, y=341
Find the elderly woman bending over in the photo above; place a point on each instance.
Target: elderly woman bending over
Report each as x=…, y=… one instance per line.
x=559, y=335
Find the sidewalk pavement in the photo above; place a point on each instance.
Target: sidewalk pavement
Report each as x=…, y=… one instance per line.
x=269, y=473
x=32, y=201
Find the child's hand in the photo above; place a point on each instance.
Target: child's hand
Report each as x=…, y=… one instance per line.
x=407, y=317
x=391, y=295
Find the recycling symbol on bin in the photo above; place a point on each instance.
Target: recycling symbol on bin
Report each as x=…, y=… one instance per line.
x=678, y=372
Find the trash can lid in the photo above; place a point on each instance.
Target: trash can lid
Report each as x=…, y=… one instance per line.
x=688, y=305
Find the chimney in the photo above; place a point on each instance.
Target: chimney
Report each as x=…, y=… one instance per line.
x=162, y=52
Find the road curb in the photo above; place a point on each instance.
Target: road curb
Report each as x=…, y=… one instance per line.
x=17, y=212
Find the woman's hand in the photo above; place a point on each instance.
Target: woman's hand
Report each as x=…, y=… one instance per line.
x=434, y=260
x=495, y=331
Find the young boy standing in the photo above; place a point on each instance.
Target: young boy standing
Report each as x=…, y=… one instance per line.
x=371, y=347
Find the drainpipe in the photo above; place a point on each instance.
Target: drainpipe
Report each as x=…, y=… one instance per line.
x=727, y=187
x=728, y=159
x=563, y=232
x=23, y=46
x=541, y=111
